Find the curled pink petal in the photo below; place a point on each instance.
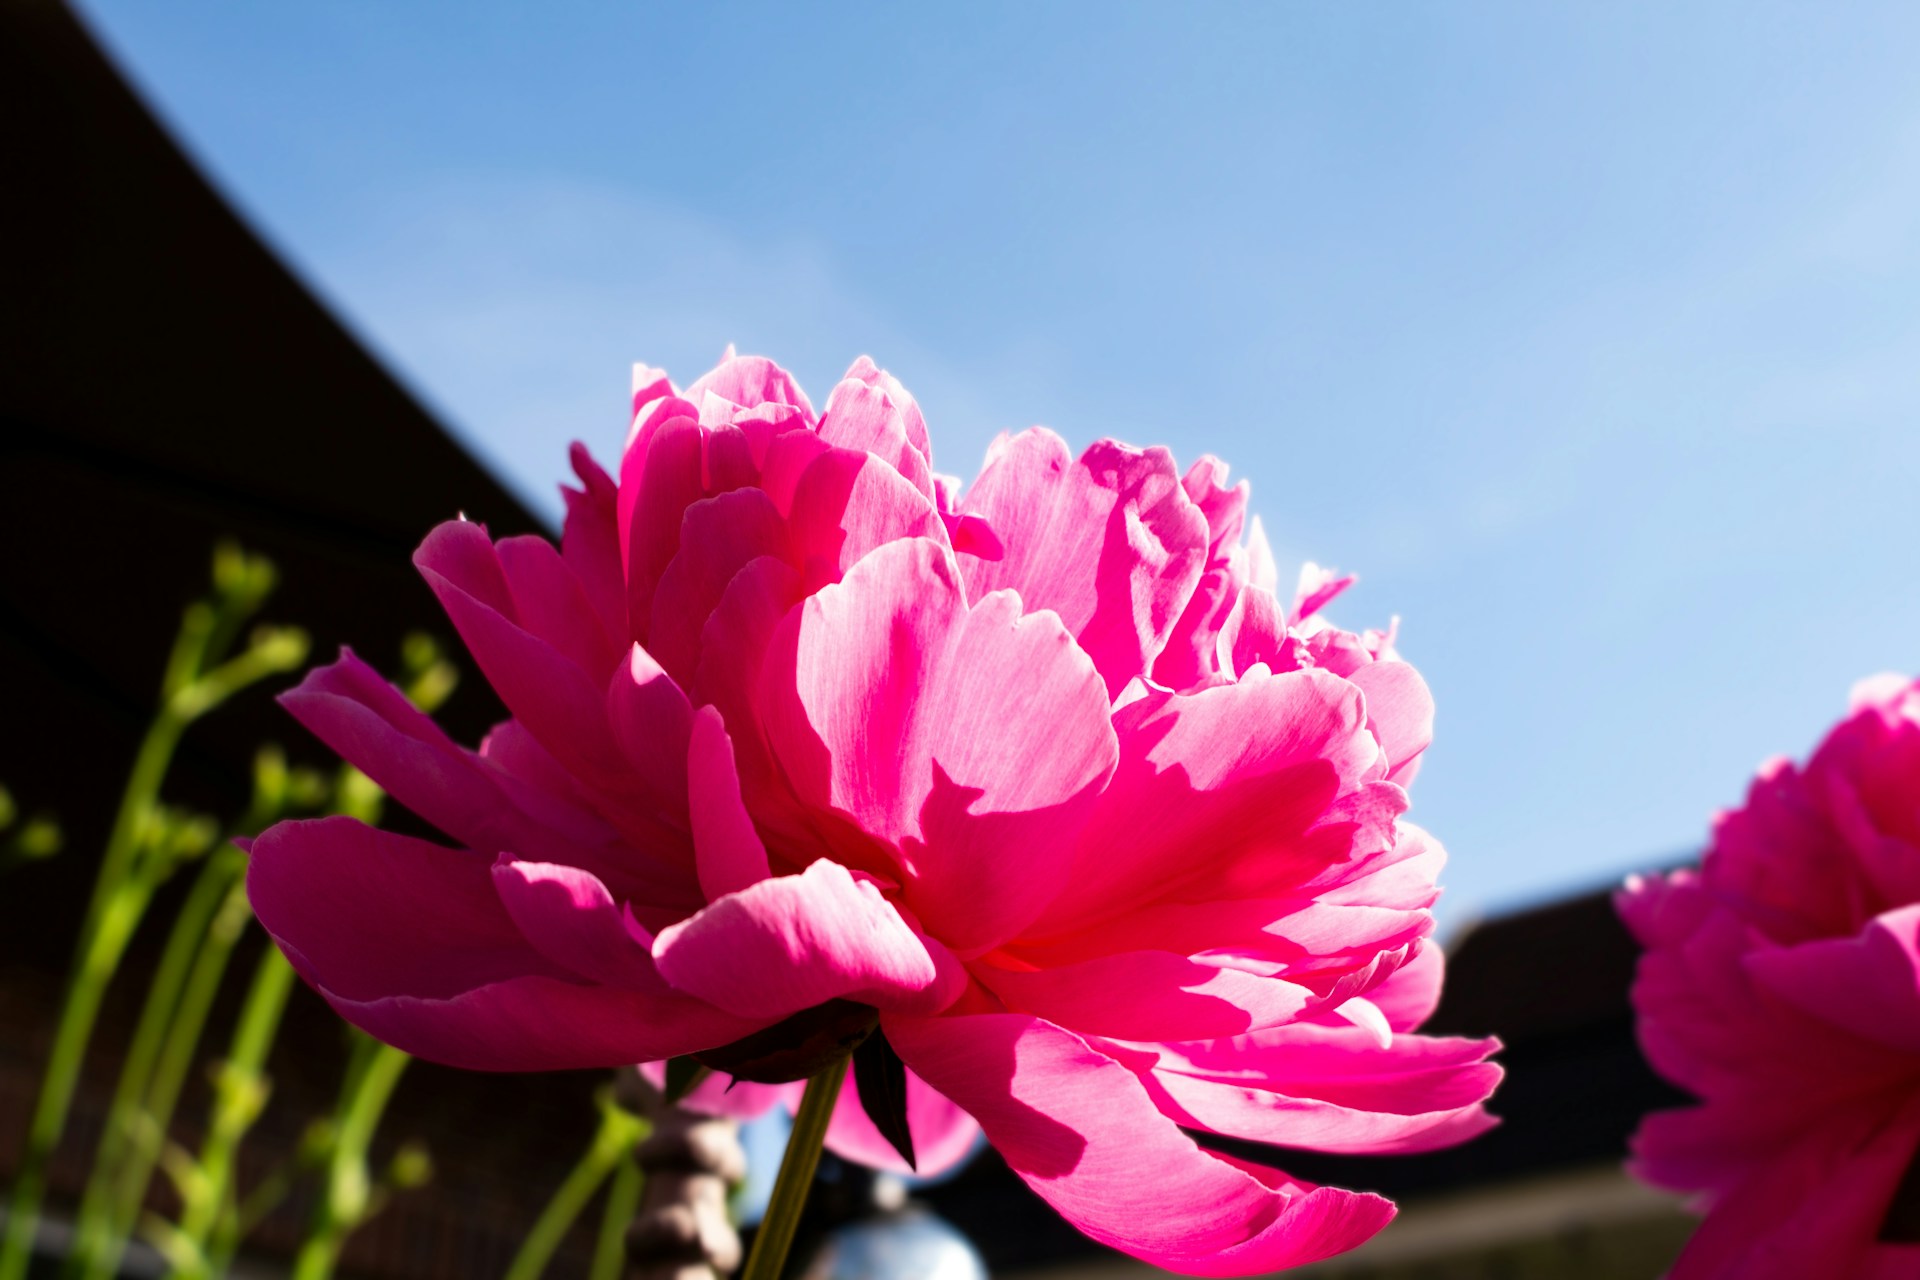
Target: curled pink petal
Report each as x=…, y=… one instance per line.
x=970, y=740
x=1081, y=1130
x=1110, y=542
x=793, y=942
x=731, y=856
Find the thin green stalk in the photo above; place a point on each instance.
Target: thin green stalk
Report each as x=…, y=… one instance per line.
x=239, y=1094
x=132, y=866
x=77, y=1017
x=775, y=1236
x=175, y=1061
x=613, y=1141
x=189, y=930
x=348, y=1194
x=623, y=1202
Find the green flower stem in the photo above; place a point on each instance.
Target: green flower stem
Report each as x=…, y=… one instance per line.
x=147, y=1135
x=612, y=1144
x=239, y=1093
x=345, y=1201
x=134, y=863
x=190, y=928
x=102, y=956
x=775, y=1236
x=623, y=1202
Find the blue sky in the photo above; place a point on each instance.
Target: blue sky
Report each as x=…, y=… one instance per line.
x=1589, y=336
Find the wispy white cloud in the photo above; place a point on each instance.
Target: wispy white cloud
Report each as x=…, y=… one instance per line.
x=518, y=304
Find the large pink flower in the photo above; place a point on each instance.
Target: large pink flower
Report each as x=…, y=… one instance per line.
x=1045, y=774
x=1781, y=985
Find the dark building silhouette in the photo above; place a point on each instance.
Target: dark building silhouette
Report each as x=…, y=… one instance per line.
x=165, y=382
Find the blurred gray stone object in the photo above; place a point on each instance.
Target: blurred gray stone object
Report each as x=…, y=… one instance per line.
x=683, y=1230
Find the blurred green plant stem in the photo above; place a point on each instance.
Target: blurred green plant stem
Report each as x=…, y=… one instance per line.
x=213, y=1221
x=610, y=1153
x=349, y=1194
x=179, y=998
x=147, y=843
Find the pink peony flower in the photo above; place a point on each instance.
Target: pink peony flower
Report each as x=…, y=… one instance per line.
x=1042, y=775
x=1781, y=985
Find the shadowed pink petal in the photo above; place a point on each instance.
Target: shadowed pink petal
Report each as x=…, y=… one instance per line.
x=1869, y=984
x=1814, y=1209
x=1080, y=1129
x=650, y=718
x=410, y=942
x=542, y=1024
x=571, y=919
x=660, y=477
x=365, y=913
x=371, y=723
x=943, y=1134
x=559, y=703
x=1147, y=995
x=790, y=943
x=730, y=854
x=969, y=739
x=550, y=602
x=590, y=541
x=1255, y=631
x=1111, y=543
x=718, y=537
x=844, y=505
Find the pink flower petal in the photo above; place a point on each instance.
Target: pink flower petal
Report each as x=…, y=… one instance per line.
x=1111, y=543
x=1331, y=1089
x=749, y=382
x=1147, y=995
x=542, y=1024
x=971, y=740
x=718, y=537
x=1868, y=984
x=861, y=415
x=650, y=718
x=1081, y=1130
x=558, y=701
x=590, y=541
x=550, y=602
x=730, y=854
x=364, y=913
x=411, y=943
x=1399, y=711
x=1231, y=788
x=1814, y=1209
x=571, y=919
x=350, y=708
x=845, y=504
x=789, y=943
x=660, y=477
